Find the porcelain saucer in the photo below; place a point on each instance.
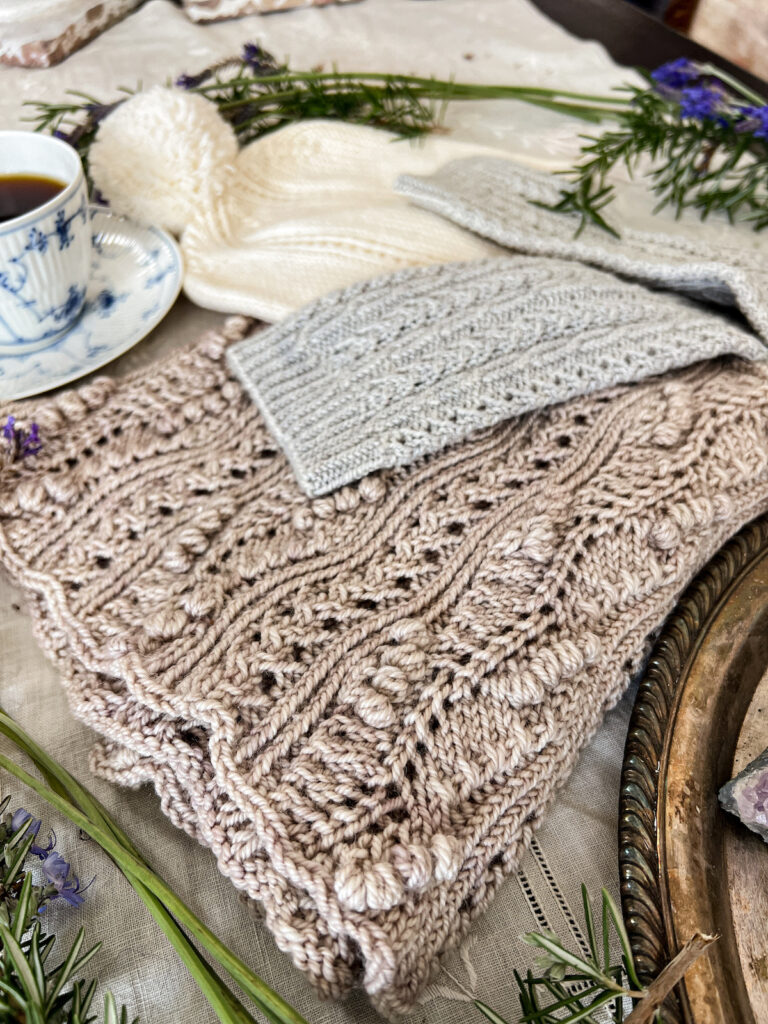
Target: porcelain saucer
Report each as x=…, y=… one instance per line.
x=135, y=279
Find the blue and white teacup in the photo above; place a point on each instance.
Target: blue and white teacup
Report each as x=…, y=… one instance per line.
x=45, y=254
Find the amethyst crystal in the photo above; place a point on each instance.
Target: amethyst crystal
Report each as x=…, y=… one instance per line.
x=746, y=796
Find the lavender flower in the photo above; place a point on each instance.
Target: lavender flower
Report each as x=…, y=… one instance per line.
x=192, y=81
x=43, y=851
x=56, y=870
x=251, y=53
x=676, y=74
x=703, y=103
x=259, y=60
x=20, y=443
x=31, y=443
x=757, y=121
x=18, y=819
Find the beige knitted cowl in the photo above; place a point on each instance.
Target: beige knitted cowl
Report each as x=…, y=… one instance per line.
x=364, y=702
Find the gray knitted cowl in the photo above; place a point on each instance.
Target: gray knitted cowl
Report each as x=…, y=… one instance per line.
x=389, y=370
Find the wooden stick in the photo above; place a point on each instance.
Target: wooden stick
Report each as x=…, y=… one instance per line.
x=658, y=991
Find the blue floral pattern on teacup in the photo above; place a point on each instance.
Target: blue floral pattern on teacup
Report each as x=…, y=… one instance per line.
x=135, y=277
x=21, y=274
x=104, y=304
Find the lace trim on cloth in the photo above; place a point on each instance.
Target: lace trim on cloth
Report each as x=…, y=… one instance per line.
x=365, y=702
x=393, y=369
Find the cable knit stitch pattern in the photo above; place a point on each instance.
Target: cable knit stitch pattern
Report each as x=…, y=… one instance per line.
x=396, y=368
x=497, y=199
x=364, y=702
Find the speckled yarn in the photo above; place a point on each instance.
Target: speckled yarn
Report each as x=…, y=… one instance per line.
x=364, y=702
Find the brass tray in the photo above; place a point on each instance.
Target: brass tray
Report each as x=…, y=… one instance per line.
x=701, y=714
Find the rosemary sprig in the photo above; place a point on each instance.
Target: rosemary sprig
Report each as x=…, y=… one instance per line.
x=705, y=136
x=31, y=988
x=256, y=95
x=64, y=792
x=571, y=988
x=704, y=133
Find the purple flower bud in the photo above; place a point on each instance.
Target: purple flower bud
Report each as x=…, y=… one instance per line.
x=676, y=74
x=21, y=443
x=192, y=81
x=757, y=121
x=56, y=870
x=258, y=60
x=251, y=53
x=43, y=851
x=703, y=103
x=31, y=443
x=18, y=819
x=96, y=114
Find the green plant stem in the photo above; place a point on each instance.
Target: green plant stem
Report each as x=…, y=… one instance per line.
x=106, y=833
x=735, y=84
x=263, y=103
x=594, y=115
x=274, y=1008
x=226, y=1006
x=435, y=87
x=527, y=96
x=425, y=89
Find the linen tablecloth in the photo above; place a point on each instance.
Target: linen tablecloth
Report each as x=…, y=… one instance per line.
x=496, y=41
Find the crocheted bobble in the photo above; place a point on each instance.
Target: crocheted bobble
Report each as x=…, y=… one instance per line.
x=393, y=369
x=364, y=702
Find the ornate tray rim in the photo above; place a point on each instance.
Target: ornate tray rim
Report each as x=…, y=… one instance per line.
x=645, y=912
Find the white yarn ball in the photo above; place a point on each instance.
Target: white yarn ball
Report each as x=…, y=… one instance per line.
x=163, y=156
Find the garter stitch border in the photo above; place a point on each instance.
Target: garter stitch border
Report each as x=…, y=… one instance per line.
x=364, y=702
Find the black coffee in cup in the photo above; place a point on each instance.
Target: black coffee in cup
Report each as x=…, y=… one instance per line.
x=20, y=193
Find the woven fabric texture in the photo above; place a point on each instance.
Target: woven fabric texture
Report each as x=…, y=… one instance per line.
x=393, y=369
x=500, y=200
x=363, y=703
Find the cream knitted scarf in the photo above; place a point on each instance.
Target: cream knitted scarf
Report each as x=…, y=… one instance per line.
x=289, y=217
x=364, y=702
